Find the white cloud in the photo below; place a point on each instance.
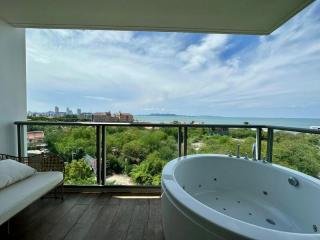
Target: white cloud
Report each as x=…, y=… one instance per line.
x=98, y=98
x=212, y=74
x=197, y=55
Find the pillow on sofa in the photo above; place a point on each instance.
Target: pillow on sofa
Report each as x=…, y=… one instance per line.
x=12, y=171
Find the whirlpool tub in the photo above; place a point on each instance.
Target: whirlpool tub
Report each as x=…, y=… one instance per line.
x=220, y=197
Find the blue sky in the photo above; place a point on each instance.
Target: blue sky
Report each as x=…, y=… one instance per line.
x=183, y=73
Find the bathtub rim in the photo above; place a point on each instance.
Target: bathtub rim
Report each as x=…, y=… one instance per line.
x=177, y=194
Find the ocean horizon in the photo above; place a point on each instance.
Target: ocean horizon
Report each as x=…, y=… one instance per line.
x=287, y=122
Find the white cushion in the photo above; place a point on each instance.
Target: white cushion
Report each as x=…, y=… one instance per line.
x=18, y=196
x=12, y=171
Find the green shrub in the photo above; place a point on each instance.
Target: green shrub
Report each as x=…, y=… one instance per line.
x=79, y=172
x=149, y=171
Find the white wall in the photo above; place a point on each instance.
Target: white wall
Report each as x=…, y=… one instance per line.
x=13, y=98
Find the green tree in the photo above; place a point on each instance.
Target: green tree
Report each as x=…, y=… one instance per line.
x=135, y=151
x=141, y=153
x=298, y=152
x=79, y=172
x=71, y=142
x=149, y=171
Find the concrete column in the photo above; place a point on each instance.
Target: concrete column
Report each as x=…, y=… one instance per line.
x=13, y=97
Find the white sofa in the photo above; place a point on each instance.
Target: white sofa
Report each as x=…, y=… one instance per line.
x=19, y=195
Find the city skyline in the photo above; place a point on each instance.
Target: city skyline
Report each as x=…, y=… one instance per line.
x=57, y=110
x=180, y=73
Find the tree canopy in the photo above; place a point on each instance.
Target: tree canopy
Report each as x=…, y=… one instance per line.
x=141, y=153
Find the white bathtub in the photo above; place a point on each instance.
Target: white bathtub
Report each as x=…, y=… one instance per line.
x=220, y=197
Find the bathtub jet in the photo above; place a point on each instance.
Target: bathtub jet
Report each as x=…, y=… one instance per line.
x=211, y=196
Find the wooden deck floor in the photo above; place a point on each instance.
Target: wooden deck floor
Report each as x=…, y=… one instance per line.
x=88, y=216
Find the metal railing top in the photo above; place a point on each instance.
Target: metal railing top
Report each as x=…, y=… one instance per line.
x=147, y=124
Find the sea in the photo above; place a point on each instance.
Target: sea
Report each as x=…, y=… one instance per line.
x=287, y=122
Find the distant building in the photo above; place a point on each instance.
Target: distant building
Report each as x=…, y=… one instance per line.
x=124, y=117
x=35, y=136
x=108, y=117
x=36, y=141
x=85, y=116
x=69, y=111
x=102, y=117
x=56, y=110
x=60, y=114
x=50, y=114
x=78, y=111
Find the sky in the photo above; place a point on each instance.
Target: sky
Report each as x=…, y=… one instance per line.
x=183, y=73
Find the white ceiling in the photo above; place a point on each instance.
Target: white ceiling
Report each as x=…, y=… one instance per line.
x=216, y=16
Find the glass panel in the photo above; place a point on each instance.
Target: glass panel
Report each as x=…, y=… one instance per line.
x=222, y=141
x=138, y=155
x=299, y=151
x=76, y=145
x=135, y=155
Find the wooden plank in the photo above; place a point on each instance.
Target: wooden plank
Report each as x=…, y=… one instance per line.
x=48, y=217
x=89, y=216
x=25, y=228
x=121, y=221
x=88, y=198
x=154, y=227
x=139, y=220
x=60, y=230
x=99, y=228
x=82, y=227
x=17, y=223
x=31, y=210
x=62, y=209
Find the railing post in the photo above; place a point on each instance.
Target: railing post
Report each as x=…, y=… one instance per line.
x=179, y=140
x=258, y=143
x=103, y=156
x=270, y=145
x=185, y=141
x=19, y=141
x=98, y=154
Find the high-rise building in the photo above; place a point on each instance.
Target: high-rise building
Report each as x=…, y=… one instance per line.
x=78, y=111
x=56, y=109
x=68, y=111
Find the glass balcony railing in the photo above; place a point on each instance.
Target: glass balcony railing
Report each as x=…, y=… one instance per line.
x=135, y=153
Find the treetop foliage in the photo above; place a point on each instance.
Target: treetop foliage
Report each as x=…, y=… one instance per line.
x=141, y=152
